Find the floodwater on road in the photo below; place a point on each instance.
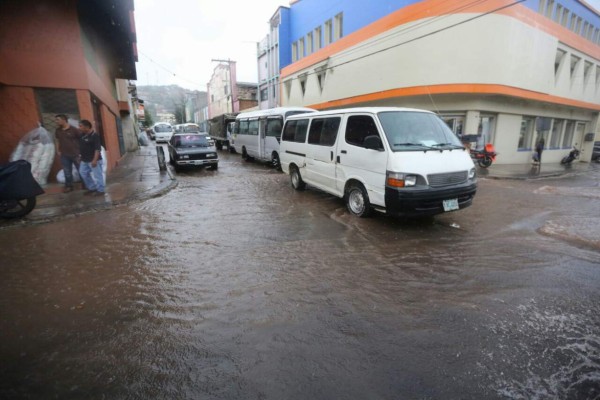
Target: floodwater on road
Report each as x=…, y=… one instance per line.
x=235, y=286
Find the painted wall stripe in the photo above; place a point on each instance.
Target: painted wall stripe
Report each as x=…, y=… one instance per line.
x=465, y=88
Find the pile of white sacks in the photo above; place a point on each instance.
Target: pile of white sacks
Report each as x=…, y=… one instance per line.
x=37, y=147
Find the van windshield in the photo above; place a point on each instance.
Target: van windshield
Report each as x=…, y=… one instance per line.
x=417, y=131
x=162, y=128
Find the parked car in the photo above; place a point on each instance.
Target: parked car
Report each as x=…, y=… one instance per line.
x=192, y=149
x=596, y=152
x=162, y=131
x=150, y=133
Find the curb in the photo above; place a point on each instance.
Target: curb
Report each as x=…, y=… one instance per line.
x=157, y=191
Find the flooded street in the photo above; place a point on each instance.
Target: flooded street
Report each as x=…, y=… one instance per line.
x=235, y=286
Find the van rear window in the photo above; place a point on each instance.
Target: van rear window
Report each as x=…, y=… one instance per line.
x=295, y=131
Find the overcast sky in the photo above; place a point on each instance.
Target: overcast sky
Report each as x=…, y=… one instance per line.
x=177, y=39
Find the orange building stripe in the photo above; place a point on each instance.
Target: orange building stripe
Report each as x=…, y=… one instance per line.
x=468, y=88
x=435, y=8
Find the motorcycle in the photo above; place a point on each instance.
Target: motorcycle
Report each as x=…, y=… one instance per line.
x=568, y=159
x=484, y=157
x=18, y=189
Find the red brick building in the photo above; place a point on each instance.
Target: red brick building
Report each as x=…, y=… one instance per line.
x=63, y=57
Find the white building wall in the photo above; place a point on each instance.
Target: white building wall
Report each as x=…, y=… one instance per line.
x=487, y=51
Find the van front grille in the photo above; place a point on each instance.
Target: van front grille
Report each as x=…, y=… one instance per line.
x=451, y=178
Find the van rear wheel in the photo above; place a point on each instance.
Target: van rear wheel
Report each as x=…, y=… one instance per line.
x=357, y=201
x=275, y=162
x=296, y=179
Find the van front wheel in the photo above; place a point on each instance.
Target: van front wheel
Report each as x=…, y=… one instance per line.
x=357, y=200
x=296, y=179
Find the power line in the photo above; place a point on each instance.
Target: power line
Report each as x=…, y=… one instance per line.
x=171, y=72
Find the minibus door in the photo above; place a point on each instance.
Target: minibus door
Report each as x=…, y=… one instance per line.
x=262, y=128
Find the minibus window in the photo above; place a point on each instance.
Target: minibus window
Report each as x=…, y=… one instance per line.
x=244, y=127
x=413, y=131
x=253, y=127
x=323, y=131
x=358, y=128
x=274, y=126
x=295, y=131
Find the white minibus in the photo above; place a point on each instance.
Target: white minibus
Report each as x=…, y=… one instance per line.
x=401, y=161
x=256, y=134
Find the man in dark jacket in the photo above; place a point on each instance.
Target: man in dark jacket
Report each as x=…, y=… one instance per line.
x=66, y=139
x=91, y=160
x=539, y=147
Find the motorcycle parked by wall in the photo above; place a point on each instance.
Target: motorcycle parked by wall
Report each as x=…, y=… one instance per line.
x=18, y=189
x=486, y=156
x=568, y=159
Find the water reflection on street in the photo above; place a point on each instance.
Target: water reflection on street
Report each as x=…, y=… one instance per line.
x=234, y=286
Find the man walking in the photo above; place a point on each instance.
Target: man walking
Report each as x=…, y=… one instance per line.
x=66, y=139
x=91, y=160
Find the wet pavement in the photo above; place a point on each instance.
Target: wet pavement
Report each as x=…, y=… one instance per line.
x=234, y=286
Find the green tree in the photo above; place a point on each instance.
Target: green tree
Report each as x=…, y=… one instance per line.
x=148, y=118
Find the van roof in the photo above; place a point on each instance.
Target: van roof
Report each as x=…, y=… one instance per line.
x=272, y=111
x=370, y=110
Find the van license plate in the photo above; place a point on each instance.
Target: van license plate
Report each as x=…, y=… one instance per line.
x=450, y=205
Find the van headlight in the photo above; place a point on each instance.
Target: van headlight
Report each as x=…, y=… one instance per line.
x=472, y=173
x=399, y=180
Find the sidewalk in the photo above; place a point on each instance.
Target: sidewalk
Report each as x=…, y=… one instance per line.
x=529, y=171
x=137, y=177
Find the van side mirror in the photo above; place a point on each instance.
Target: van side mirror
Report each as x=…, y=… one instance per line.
x=373, y=142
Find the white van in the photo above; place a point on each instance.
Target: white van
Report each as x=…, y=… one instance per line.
x=400, y=161
x=162, y=131
x=256, y=134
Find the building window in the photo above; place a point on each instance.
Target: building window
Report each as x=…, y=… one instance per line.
x=455, y=123
x=586, y=26
x=556, y=134
x=574, y=62
x=320, y=73
x=318, y=40
x=300, y=48
x=565, y=18
x=587, y=71
x=288, y=88
x=568, y=136
x=542, y=6
x=302, y=80
x=573, y=22
x=339, y=26
x=309, y=43
x=264, y=94
x=578, y=26
x=294, y=51
x=526, y=134
x=550, y=8
x=558, y=60
x=328, y=32
x=558, y=14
